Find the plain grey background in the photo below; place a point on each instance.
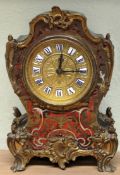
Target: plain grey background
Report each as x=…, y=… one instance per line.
x=103, y=17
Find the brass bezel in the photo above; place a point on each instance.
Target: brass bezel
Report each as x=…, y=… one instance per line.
x=75, y=104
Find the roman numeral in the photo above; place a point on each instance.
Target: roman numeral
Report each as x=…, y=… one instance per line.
x=59, y=47
x=39, y=81
x=36, y=70
x=83, y=70
x=48, y=50
x=59, y=93
x=47, y=90
x=80, y=59
x=70, y=91
x=80, y=82
x=38, y=58
x=71, y=51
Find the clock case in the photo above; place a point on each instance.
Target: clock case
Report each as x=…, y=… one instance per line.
x=61, y=133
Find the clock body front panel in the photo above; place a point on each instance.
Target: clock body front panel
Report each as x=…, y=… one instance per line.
x=59, y=86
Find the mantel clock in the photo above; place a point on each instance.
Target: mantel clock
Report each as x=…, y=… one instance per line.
x=61, y=71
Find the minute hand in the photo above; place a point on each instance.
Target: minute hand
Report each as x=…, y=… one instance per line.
x=71, y=70
x=60, y=61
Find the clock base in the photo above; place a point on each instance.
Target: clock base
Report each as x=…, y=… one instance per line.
x=62, y=147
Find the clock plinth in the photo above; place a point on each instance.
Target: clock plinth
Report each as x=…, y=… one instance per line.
x=61, y=72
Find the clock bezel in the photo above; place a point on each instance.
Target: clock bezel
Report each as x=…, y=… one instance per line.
x=65, y=107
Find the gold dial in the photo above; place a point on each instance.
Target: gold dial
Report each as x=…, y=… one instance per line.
x=59, y=70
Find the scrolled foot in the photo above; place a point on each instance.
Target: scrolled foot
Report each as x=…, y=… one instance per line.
x=105, y=166
x=61, y=164
x=18, y=165
x=109, y=168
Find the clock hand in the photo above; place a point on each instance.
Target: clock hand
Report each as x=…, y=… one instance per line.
x=60, y=61
x=71, y=70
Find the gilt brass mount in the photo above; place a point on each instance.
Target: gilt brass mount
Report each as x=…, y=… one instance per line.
x=61, y=72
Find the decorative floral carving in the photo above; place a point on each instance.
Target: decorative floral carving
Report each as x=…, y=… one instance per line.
x=59, y=135
x=61, y=146
x=58, y=18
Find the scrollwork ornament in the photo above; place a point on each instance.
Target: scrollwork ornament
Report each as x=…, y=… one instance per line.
x=62, y=132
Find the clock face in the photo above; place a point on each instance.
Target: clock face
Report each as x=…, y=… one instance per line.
x=59, y=71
